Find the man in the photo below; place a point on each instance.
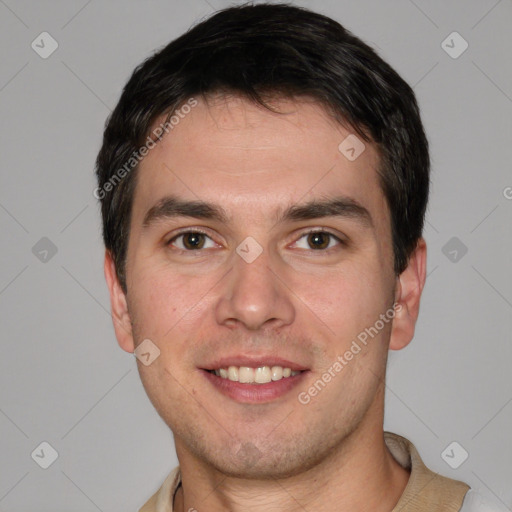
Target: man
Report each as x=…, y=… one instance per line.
x=264, y=180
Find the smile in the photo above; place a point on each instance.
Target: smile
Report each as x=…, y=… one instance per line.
x=259, y=375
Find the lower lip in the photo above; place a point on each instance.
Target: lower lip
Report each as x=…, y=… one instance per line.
x=254, y=393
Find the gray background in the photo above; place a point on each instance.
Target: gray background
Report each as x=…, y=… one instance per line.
x=63, y=378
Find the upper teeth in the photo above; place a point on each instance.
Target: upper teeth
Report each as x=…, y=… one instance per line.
x=260, y=375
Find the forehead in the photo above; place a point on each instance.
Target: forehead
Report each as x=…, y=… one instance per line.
x=233, y=152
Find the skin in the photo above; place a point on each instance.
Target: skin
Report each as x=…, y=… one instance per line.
x=303, y=304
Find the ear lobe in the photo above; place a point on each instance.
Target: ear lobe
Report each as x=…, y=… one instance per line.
x=407, y=297
x=119, y=306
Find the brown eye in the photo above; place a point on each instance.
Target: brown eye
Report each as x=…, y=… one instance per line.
x=190, y=241
x=193, y=240
x=319, y=240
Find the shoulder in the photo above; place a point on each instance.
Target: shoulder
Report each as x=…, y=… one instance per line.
x=475, y=502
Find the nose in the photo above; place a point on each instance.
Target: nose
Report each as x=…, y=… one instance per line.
x=255, y=295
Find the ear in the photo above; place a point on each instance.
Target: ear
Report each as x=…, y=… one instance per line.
x=410, y=284
x=119, y=306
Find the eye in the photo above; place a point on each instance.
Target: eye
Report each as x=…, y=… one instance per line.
x=319, y=240
x=191, y=240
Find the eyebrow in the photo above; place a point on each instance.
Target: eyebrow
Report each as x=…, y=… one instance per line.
x=341, y=206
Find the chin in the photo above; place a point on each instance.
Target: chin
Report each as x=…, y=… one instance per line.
x=247, y=461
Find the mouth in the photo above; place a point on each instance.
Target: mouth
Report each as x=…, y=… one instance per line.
x=261, y=383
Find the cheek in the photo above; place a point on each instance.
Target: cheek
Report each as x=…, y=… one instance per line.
x=170, y=308
x=156, y=303
x=344, y=302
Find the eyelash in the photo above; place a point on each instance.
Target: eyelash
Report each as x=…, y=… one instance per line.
x=306, y=233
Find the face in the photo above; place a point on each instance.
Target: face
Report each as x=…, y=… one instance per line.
x=253, y=275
